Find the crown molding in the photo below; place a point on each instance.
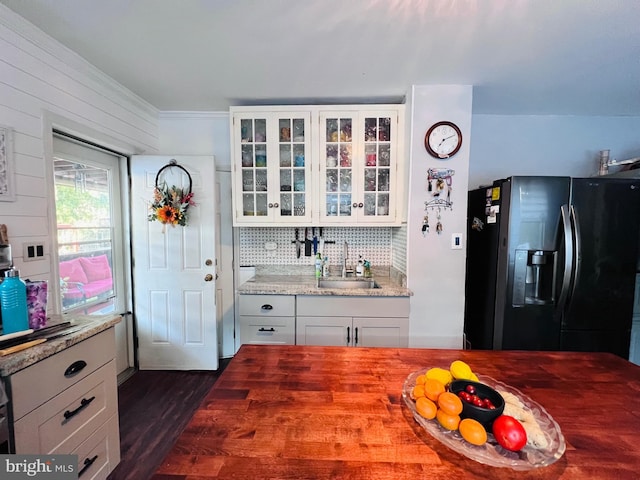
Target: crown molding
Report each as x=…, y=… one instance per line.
x=191, y=114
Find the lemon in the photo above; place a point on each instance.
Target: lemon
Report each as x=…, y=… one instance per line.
x=440, y=374
x=474, y=377
x=460, y=370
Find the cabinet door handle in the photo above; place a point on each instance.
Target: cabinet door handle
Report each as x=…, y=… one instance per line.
x=356, y=338
x=84, y=403
x=266, y=306
x=87, y=463
x=348, y=335
x=262, y=329
x=360, y=205
x=74, y=368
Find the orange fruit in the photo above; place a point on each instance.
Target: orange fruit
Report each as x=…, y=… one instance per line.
x=418, y=391
x=420, y=379
x=433, y=388
x=450, y=422
x=450, y=403
x=426, y=408
x=473, y=431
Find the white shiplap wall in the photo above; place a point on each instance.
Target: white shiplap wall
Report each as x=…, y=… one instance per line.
x=42, y=83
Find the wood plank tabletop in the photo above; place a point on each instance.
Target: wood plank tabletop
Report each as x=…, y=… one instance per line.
x=303, y=412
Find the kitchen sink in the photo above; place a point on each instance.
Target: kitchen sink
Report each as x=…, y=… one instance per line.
x=346, y=284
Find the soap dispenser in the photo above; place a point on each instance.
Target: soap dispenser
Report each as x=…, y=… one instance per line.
x=325, y=267
x=318, y=265
x=360, y=267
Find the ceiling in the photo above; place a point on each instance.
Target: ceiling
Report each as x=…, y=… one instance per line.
x=564, y=57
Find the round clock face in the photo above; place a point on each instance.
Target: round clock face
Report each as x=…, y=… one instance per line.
x=443, y=140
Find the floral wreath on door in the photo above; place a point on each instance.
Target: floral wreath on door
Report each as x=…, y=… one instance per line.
x=170, y=205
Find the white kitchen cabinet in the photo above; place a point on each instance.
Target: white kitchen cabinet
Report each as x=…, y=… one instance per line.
x=271, y=167
x=317, y=165
x=74, y=409
x=359, y=154
x=267, y=319
x=352, y=321
x=352, y=331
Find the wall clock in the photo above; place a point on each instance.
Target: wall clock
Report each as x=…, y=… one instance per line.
x=443, y=140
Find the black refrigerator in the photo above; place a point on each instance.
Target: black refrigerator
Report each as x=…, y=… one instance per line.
x=551, y=264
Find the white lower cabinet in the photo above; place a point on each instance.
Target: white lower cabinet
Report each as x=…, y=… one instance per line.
x=352, y=321
x=68, y=404
x=268, y=319
x=352, y=331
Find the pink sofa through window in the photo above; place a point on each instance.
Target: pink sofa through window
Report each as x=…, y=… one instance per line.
x=86, y=277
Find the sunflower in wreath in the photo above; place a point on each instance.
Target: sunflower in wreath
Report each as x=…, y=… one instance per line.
x=170, y=205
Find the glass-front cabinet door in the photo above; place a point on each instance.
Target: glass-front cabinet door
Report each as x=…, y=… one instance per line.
x=358, y=158
x=272, y=168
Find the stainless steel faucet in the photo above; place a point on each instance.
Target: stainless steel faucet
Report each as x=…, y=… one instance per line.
x=345, y=256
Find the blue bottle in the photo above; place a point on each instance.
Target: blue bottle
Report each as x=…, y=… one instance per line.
x=13, y=303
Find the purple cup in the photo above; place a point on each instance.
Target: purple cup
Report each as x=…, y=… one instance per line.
x=37, y=303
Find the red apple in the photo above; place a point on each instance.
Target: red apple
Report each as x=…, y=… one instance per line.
x=509, y=433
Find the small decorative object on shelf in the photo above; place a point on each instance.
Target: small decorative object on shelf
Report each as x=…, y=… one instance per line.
x=170, y=205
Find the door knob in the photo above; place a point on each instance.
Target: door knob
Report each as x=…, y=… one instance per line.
x=208, y=277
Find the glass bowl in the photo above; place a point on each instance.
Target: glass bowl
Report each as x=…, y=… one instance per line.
x=491, y=453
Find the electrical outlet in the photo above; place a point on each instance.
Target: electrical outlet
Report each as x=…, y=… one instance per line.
x=456, y=241
x=32, y=251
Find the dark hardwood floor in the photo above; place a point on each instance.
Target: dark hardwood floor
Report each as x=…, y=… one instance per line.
x=155, y=407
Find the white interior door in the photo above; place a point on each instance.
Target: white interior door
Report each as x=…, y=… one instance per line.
x=174, y=269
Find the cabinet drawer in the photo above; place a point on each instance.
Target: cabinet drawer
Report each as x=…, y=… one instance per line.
x=49, y=374
x=100, y=453
x=271, y=330
x=68, y=419
x=268, y=305
x=338, y=306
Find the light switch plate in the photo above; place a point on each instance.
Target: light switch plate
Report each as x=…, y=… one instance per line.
x=32, y=251
x=456, y=241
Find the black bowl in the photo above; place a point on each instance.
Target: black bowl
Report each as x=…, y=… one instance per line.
x=485, y=416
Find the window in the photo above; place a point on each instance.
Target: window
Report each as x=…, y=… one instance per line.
x=89, y=229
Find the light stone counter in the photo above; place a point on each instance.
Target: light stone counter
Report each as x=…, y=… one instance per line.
x=89, y=325
x=306, y=285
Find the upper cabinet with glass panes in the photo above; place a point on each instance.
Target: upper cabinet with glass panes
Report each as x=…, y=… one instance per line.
x=317, y=165
x=359, y=153
x=271, y=168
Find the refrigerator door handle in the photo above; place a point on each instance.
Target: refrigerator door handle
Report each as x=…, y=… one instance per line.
x=567, y=231
x=578, y=254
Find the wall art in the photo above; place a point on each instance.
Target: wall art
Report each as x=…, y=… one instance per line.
x=7, y=193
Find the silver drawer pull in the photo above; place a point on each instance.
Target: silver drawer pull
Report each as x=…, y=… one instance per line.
x=267, y=307
x=262, y=329
x=84, y=403
x=74, y=368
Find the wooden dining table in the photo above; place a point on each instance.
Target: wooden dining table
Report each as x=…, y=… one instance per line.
x=306, y=412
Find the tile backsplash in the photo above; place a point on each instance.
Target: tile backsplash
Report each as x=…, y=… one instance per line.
x=373, y=243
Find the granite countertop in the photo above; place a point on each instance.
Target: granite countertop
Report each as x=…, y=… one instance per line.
x=306, y=285
x=89, y=325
